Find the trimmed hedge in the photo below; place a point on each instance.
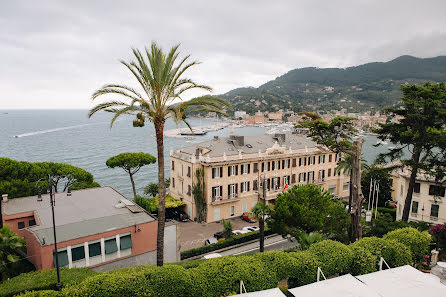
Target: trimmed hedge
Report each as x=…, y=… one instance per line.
x=394, y=253
x=280, y=263
x=417, y=241
x=304, y=269
x=221, y=276
x=363, y=261
x=236, y=239
x=391, y=211
x=44, y=293
x=43, y=280
x=334, y=256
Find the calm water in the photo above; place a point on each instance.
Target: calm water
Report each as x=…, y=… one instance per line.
x=68, y=136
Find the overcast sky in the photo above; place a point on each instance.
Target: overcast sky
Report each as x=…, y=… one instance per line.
x=54, y=54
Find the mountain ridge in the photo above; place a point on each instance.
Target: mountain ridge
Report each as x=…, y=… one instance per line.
x=368, y=86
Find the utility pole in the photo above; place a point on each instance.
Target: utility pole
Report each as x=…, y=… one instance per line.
x=262, y=220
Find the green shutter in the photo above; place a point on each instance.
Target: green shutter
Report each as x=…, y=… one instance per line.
x=62, y=258
x=110, y=246
x=78, y=253
x=94, y=249
x=125, y=242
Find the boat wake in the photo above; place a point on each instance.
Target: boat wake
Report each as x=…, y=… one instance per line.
x=49, y=131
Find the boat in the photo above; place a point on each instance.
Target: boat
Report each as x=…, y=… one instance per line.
x=195, y=133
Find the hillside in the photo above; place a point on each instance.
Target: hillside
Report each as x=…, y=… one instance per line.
x=359, y=88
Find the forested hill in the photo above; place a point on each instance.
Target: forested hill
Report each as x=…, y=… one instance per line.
x=358, y=88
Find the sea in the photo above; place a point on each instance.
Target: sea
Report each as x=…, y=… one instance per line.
x=69, y=136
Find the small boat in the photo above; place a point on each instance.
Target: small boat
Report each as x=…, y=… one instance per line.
x=195, y=133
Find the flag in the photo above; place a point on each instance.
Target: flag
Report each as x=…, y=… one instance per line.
x=285, y=187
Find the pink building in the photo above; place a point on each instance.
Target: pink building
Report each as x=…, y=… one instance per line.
x=97, y=228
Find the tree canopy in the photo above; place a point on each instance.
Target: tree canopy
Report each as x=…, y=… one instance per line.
x=20, y=178
x=308, y=208
x=9, y=244
x=417, y=127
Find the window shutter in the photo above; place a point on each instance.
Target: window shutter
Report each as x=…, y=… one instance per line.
x=229, y=190
x=283, y=164
x=229, y=170
x=256, y=167
x=269, y=166
x=305, y=161
x=329, y=172
x=248, y=187
x=213, y=172
x=236, y=169
x=110, y=246
x=188, y=171
x=173, y=165
x=254, y=185
x=295, y=162
x=289, y=163
x=249, y=168
x=125, y=242
x=293, y=179
x=268, y=184
x=263, y=166
x=241, y=187
x=236, y=188
x=221, y=171
x=221, y=191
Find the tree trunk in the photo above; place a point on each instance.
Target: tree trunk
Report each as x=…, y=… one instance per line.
x=159, y=129
x=133, y=185
x=357, y=196
x=413, y=175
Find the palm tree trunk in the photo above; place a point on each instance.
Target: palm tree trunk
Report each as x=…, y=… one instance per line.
x=357, y=196
x=413, y=175
x=133, y=185
x=159, y=129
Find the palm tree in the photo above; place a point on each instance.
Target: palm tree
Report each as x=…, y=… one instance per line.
x=9, y=244
x=162, y=84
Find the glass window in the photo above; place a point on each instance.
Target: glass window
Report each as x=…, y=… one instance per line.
x=415, y=207
x=78, y=253
x=125, y=242
x=31, y=222
x=436, y=190
x=332, y=189
x=62, y=258
x=345, y=187
x=94, y=249
x=416, y=188
x=434, y=210
x=110, y=246
x=244, y=207
x=232, y=210
x=21, y=225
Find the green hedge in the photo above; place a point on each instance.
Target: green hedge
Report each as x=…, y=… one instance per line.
x=394, y=253
x=304, y=269
x=363, y=261
x=236, y=239
x=417, y=241
x=391, y=211
x=43, y=293
x=278, y=262
x=334, y=256
x=43, y=280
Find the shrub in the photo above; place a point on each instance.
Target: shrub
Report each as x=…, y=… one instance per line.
x=390, y=211
x=334, y=256
x=236, y=239
x=417, y=241
x=43, y=280
x=394, y=253
x=363, y=261
x=188, y=264
x=222, y=276
x=279, y=262
x=43, y=293
x=304, y=269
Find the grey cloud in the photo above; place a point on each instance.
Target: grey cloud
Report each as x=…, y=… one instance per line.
x=54, y=54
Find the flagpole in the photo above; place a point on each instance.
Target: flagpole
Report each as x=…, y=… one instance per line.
x=370, y=194
x=377, y=195
x=373, y=194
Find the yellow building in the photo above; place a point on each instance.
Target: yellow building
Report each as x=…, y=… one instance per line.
x=233, y=168
x=427, y=201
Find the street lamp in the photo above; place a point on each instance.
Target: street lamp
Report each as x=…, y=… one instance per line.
x=262, y=223
x=53, y=189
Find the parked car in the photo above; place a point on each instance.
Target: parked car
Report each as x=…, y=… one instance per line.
x=218, y=235
x=210, y=240
x=391, y=204
x=238, y=232
x=251, y=228
x=247, y=216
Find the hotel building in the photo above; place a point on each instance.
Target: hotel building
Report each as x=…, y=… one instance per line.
x=234, y=167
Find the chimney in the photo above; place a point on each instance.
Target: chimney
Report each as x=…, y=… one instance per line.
x=5, y=198
x=280, y=137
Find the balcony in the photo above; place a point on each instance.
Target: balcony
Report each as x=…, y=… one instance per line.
x=225, y=199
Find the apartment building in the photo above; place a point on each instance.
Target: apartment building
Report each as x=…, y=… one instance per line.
x=234, y=167
x=97, y=228
x=427, y=199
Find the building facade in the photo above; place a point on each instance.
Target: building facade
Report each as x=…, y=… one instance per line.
x=428, y=199
x=97, y=228
x=234, y=168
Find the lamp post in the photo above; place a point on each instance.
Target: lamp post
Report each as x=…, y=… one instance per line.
x=52, y=190
x=262, y=223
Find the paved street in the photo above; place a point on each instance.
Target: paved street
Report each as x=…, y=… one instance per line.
x=274, y=243
x=192, y=234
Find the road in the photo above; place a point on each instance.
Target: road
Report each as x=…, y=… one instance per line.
x=274, y=243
